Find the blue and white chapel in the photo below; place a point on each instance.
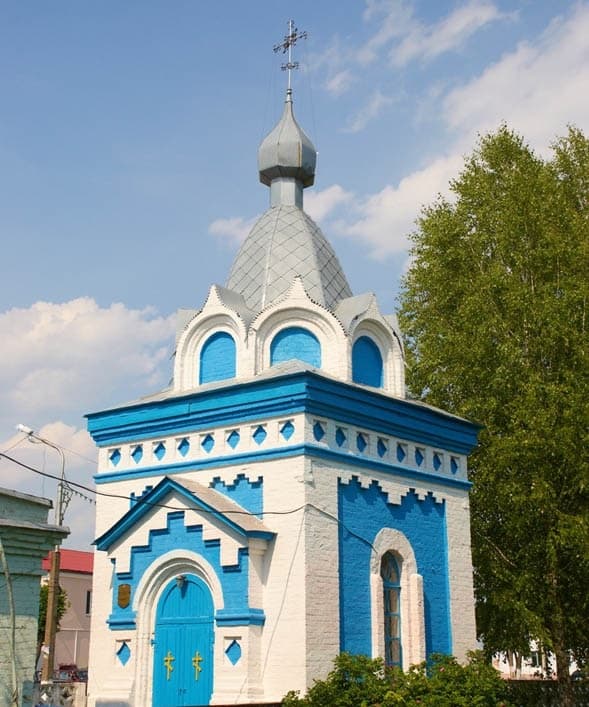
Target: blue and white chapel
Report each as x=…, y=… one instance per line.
x=282, y=501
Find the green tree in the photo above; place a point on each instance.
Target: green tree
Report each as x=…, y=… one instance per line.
x=495, y=309
x=62, y=606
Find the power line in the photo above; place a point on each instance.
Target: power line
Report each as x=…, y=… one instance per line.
x=304, y=506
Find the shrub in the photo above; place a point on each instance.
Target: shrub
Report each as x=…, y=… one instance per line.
x=358, y=681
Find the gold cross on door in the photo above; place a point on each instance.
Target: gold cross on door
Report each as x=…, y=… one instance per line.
x=196, y=661
x=168, y=660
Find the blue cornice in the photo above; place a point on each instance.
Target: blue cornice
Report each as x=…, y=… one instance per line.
x=155, y=497
x=297, y=450
x=224, y=617
x=304, y=391
x=121, y=624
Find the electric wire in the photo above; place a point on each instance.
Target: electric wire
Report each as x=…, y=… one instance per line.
x=152, y=504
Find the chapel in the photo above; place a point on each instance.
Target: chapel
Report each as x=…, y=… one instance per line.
x=282, y=501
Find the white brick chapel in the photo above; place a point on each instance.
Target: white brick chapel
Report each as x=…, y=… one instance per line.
x=282, y=501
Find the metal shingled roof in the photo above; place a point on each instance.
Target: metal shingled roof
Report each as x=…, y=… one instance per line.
x=284, y=243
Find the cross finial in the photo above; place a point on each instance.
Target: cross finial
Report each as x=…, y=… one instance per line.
x=286, y=46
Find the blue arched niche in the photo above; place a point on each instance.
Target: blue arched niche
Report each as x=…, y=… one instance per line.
x=217, y=358
x=295, y=342
x=366, y=362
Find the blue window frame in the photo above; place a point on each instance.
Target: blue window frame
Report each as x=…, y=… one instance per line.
x=295, y=342
x=391, y=585
x=366, y=363
x=217, y=358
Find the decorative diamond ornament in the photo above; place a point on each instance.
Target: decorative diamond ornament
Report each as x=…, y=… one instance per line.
x=318, y=431
x=208, y=443
x=233, y=439
x=259, y=434
x=287, y=430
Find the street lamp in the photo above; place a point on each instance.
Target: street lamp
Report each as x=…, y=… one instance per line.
x=63, y=497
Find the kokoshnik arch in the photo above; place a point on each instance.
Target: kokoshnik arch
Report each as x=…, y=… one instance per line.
x=282, y=501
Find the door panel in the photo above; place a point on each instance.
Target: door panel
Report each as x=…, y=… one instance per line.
x=183, y=652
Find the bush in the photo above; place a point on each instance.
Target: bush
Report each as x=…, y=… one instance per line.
x=358, y=681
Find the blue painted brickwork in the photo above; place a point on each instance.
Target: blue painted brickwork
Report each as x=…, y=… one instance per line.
x=248, y=494
x=177, y=536
x=217, y=358
x=363, y=513
x=284, y=395
x=366, y=363
x=295, y=342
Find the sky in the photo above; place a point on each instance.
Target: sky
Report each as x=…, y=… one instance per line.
x=128, y=145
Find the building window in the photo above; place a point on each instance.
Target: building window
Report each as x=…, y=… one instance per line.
x=295, y=342
x=88, y=601
x=217, y=358
x=391, y=585
x=366, y=363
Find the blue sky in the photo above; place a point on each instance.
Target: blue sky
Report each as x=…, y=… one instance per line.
x=128, y=139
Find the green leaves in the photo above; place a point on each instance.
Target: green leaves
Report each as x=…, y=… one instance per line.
x=495, y=309
x=358, y=681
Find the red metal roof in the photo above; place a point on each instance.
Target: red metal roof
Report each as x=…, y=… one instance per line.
x=73, y=561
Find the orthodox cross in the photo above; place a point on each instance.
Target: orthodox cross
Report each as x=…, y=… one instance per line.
x=286, y=46
x=168, y=660
x=196, y=661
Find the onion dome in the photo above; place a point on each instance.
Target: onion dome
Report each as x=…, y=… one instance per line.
x=287, y=151
x=285, y=242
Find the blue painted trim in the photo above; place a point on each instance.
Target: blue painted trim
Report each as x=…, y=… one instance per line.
x=304, y=391
x=155, y=496
x=286, y=453
x=226, y=617
x=117, y=624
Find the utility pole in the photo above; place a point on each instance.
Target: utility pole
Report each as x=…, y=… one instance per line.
x=64, y=495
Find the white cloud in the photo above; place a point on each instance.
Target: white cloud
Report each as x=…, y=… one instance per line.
x=232, y=230
x=333, y=65
x=385, y=219
x=395, y=19
x=369, y=112
x=58, y=358
x=340, y=82
x=537, y=89
x=427, y=42
x=80, y=465
x=320, y=204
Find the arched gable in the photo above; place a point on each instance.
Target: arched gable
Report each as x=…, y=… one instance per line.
x=371, y=338
x=307, y=321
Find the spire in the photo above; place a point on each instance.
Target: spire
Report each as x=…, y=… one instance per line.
x=287, y=157
x=285, y=243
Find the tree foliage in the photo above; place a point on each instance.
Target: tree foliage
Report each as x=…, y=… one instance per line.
x=495, y=309
x=358, y=681
x=62, y=607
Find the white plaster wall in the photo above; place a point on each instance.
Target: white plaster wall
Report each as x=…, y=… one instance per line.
x=284, y=634
x=460, y=570
x=322, y=570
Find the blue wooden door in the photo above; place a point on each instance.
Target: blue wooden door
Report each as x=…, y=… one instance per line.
x=183, y=652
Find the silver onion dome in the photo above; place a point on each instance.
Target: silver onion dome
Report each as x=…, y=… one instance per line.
x=286, y=242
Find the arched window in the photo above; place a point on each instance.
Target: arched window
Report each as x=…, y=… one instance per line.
x=295, y=342
x=366, y=363
x=217, y=358
x=391, y=586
